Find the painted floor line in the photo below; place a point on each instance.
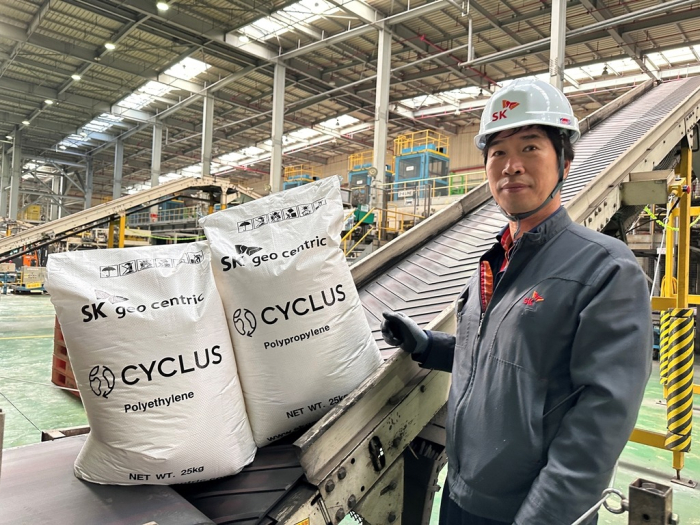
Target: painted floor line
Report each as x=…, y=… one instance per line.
x=26, y=337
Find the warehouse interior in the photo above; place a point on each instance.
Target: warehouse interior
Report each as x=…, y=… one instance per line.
x=124, y=122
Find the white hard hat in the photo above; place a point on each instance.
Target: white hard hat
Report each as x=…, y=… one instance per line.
x=526, y=102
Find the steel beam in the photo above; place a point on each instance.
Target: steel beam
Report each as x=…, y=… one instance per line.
x=600, y=13
x=277, y=127
x=118, y=167
x=16, y=174
x=381, y=119
x=557, y=48
x=5, y=176
x=89, y=178
x=207, y=134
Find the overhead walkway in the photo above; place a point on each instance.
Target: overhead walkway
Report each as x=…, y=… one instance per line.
x=378, y=453
x=38, y=236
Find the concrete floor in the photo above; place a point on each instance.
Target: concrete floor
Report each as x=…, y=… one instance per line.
x=32, y=403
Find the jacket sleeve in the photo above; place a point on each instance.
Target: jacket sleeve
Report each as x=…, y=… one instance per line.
x=611, y=360
x=439, y=353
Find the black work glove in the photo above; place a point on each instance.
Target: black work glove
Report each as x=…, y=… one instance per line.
x=399, y=330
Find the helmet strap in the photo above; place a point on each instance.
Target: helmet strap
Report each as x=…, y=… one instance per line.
x=517, y=217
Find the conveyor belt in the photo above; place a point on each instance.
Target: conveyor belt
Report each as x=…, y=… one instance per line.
x=427, y=281
x=52, y=231
x=417, y=276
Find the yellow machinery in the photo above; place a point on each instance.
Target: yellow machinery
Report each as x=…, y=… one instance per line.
x=422, y=164
x=299, y=175
x=677, y=326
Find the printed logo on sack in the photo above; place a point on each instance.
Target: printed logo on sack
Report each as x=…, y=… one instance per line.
x=285, y=214
x=101, y=384
x=139, y=265
x=244, y=321
x=247, y=254
x=536, y=298
x=507, y=106
x=102, y=379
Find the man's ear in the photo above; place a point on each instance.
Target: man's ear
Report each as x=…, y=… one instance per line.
x=567, y=166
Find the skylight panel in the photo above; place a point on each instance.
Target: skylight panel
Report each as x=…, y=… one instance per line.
x=679, y=55
x=252, y=151
x=464, y=93
x=156, y=89
x=187, y=68
x=339, y=122
x=285, y=20
x=110, y=117
x=136, y=101
x=657, y=59
x=422, y=100
x=233, y=156
x=304, y=133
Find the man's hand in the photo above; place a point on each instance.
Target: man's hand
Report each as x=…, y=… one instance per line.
x=399, y=330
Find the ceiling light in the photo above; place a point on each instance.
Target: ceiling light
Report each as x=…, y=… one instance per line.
x=48, y=101
x=162, y=6
x=75, y=77
x=83, y=134
x=244, y=39
x=61, y=147
x=25, y=122
x=8, y=137
x=110, y=46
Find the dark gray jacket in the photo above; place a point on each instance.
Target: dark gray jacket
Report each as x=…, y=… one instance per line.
x=545, y=393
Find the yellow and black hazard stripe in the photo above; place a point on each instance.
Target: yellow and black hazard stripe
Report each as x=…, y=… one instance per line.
x=664, y=335
x=679, y=383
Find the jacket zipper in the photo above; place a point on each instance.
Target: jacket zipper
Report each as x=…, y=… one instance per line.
x=475, y=349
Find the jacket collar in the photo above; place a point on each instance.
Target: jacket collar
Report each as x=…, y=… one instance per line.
x=544, y=231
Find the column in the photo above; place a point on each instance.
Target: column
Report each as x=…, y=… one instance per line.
x=277, y=126
x=557, y=44
x=156, y=154
x=207, y=134
x=55, y=208
x=381, y=120
x=16, y=174
x=118, y=167
x=89, y=177
x=5, y=179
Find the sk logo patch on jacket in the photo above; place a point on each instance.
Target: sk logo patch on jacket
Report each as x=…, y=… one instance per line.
x=536, y=298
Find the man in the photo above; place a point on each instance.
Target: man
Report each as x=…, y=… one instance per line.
x=553, y=343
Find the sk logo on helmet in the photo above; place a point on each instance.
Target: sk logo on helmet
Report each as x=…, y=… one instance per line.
x=507, y=105
x=101, y=384
x=536, y=298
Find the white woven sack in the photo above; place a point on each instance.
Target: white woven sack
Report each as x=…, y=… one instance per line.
x=150, y=350
x=298, y=327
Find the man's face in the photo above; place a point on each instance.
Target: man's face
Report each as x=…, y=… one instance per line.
x=522, y=169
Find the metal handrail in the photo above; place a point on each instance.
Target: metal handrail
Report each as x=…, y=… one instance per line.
x=345, y=237
x=358, y=242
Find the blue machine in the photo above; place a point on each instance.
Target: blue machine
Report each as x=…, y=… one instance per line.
x=360, y=177
x=422, y=165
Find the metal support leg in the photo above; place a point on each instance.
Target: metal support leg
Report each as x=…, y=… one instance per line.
x=122, y=230
x=277, y=127
x=110, y=235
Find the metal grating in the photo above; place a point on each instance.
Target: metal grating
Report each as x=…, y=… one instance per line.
x=427, y=281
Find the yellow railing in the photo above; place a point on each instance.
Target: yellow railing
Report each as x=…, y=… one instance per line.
x=300, y=172
x=453, y=184
x=398, y=221
x=347, y=236
x=417, y=141
x=364, y=159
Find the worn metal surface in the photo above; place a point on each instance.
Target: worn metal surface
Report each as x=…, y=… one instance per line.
x=38, y=486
